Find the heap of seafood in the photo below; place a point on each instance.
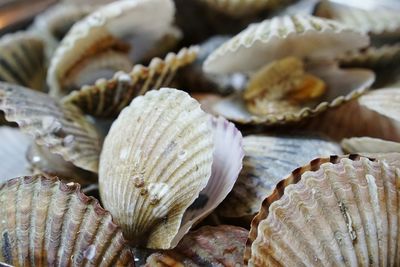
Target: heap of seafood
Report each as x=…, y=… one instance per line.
x=202, y=133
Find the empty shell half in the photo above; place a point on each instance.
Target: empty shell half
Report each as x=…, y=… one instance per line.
x=47, y=222
x=334, y=211
x=154, y=173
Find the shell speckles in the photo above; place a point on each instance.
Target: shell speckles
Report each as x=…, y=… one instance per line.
x=331, y=211
x=47, y=222
x=155, y=161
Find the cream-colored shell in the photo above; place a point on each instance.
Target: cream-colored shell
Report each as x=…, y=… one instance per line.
x=155, y=161
x=369, y=145
x=343, y=213
x=142, y=18
x=384, y=101
x=273, y=39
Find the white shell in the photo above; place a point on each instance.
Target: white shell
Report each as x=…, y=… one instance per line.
x=384, y=101
x=369, y=145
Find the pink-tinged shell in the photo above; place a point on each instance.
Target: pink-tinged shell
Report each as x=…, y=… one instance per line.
x=155, y=161
x=227, y=163
x=14, y=145
x=106, y=98
x=62, y=129
x=334, y=211
x=208, y=246
x=268, y=159
x=46, y=222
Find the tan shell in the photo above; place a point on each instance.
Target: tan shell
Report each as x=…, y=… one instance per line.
x=268, y=159
x=153, y=169
x=108, y=97
x=372, y=57
x=374, y=18
x=23, y=60
x=105, y=29
x=369, y=145
x=342, y=86
x=14, y=145
x=62, y=129
x=222, y=245
x=384, y=101
x=331, y=212
x=47, y=222
x=273, y=39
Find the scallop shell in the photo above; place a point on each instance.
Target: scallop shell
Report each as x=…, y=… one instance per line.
x=369, y=145
x=14, y=145
x=47, y=222
x=372, y=57
x=273, y=39
x=106, y=28
x=384, y=101
x=42, y=161
x=239, y=8
x=331, y=212
x=375, y=18
x=22, y=60
x=208, y=246
x=62, y=129
x=268, y=159
x=343, y=86
x=108, y=97
x=152, y=170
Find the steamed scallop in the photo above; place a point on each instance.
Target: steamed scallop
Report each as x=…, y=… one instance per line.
x=165, y=165
x=288, y=83
x=333, y=212
x=119, y=33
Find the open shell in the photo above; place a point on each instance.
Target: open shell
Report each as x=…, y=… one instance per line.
x=107, y=98
x=62, y=129
x=207, y=246
x=152, y=170
x=110, y=27
x=23, y=61
x=273, y=39
x=331, y=212
x=14, y=145
x=47, y=222
x=268, y=159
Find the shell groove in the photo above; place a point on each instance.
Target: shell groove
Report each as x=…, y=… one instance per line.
x=155, y=161
x=107, y=98
x=268, y=159
x=47, y=222
x=62, y=129
x=272, y=39
x=335, y=211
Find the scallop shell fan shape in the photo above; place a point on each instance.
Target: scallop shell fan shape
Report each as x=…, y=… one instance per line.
x=332, y=212
x=45, y=222
x=155, y=161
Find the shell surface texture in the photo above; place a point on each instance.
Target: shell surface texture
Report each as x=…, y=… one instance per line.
x=45, y=222
x=334, y=211
x=153, y=169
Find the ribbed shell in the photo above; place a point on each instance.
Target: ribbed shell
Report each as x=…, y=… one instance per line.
x=343, y=85
x=107, y=98
x=140, y=18
x=155, y=161
x=372, y=57
x=268, y=159
x=23, y=60
x=332, y=212
x=61, y=128
x=376, y=19
x=222, y=245
x=48, y=223
x=273, y=39
x=369, y=145
x=384, y=101
x=238, y=8
x=13, y=147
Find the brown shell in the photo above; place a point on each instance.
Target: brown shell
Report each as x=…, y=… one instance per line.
x=222, y=245
x=334, y=211
x=47, y=222
x=62, y=129
x=107, y=98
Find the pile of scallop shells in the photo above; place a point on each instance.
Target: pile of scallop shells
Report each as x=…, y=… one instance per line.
x=202, y=133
